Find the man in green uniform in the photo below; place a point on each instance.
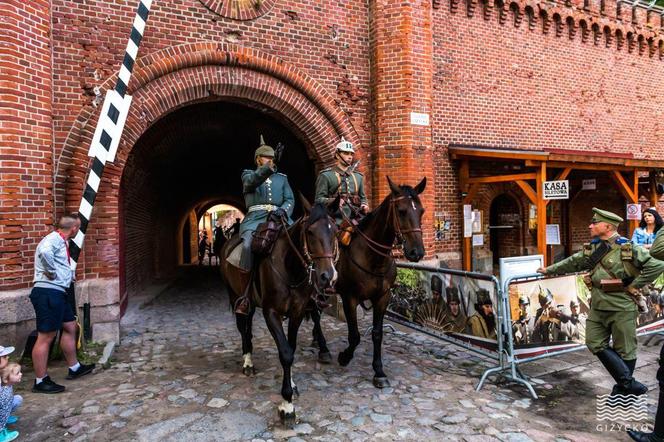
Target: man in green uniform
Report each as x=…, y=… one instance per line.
x=657, y=248
x=344, y=180
x=265, y=191
x=617, y=270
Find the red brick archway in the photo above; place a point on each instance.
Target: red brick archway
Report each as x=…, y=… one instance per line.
x=172, y=79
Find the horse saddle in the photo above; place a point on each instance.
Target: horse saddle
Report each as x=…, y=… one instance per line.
x=235, y=248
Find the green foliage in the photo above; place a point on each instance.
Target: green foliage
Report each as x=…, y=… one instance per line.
x=407, y=278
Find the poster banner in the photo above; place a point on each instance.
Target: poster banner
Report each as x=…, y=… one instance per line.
x=463, y=307
x=549, y=315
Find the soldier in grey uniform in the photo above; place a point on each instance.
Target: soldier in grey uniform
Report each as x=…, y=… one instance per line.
x=344, y=180
x=618, y=269
x=523, y=326
x=265, y=191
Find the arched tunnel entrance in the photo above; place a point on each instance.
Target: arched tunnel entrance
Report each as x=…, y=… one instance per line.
x=186, y=162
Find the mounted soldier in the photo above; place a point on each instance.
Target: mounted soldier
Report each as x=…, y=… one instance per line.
x=266, y=192
x=344, y=180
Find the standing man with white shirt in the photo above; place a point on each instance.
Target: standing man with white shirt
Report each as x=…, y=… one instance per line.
x=53, y=276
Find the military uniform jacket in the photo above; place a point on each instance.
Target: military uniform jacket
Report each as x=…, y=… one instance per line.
x=477, y=326
x=657, y=249
x=264, y=187
x=625, y=260
x=334, y=181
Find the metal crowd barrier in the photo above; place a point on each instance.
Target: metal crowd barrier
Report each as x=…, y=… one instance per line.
x=507, y=360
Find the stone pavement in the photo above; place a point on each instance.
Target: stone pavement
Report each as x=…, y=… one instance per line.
x=177, y=376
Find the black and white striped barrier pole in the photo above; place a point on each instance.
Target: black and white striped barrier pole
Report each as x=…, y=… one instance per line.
x=109, y=128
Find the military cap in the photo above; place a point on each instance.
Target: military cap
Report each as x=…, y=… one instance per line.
x=452, y=295
x=436, y=284
x=600, y=215
x=545, y=299
x=523, y=300
x=483, y=297
x=573, y=303
x=264, y=150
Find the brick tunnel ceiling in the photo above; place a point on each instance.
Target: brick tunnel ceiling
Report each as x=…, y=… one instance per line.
x=198, y=153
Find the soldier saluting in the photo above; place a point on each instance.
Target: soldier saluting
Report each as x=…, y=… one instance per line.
x=617, y=270
x=343, y=180
x=265, y=191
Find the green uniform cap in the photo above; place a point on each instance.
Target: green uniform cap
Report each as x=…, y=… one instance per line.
x=264, y=150
x=605, y=216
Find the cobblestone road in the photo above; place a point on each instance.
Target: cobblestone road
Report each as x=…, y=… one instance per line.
x=177, y=376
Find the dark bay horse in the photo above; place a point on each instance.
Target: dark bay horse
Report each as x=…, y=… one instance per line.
x=367, y=269
x=301, y=262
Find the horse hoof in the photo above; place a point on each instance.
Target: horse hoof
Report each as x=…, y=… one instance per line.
x=343, y=359
x=287, y=419
x=381, y=382
x=325, y=357
x=249, y=371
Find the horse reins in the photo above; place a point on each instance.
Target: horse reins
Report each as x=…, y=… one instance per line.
x=376, y=246
x=307, y=260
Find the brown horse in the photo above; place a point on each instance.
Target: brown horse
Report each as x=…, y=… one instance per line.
x=301, y=263
x=367, y=269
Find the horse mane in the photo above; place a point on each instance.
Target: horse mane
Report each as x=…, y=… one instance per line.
x=318, y=211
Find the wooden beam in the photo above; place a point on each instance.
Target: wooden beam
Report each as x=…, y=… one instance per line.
x=503, y=178
x=624, y=187
x=467, y=255
x=579, y=166
x=633, y=223
x=653, y=197
x=464, y=174
x=498, y=155
x=541, y=212
x=472, y=191
x=528, y=190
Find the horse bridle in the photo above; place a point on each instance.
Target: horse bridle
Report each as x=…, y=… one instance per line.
x=398, y=232
x=308, y=259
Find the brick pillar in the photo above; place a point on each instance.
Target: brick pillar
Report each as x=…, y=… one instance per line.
x=402, y=83
x=26, y=133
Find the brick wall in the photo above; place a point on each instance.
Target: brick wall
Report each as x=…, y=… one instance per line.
x=550, y=78
x=26, y=148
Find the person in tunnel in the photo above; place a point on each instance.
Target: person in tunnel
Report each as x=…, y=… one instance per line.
x=265, y=191
x=343, y=179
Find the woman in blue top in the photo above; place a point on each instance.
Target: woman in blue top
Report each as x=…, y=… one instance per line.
x=651, y=222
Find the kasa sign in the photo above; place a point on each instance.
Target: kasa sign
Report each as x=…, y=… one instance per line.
x=556, y=190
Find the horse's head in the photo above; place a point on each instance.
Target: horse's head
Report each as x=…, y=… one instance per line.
x=407, y=214
x=319, y=240
x=657, y=179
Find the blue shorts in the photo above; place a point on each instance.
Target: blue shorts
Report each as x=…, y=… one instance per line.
x=51, y=309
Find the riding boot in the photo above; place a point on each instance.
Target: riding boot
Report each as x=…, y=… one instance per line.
x=620, y=372
x=631, y=364
x=242, y=304
x=658, y=432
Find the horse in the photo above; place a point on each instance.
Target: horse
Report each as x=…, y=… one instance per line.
x=301, y=263
x=367, y=269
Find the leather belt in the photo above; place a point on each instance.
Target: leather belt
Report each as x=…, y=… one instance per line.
x=266, y=207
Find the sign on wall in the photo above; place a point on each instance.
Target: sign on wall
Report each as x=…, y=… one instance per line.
x=634, y=212
x=589, y=184
x=556, y=190
x=419, y=119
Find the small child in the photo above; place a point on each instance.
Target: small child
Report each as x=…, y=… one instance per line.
x=10, y=374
